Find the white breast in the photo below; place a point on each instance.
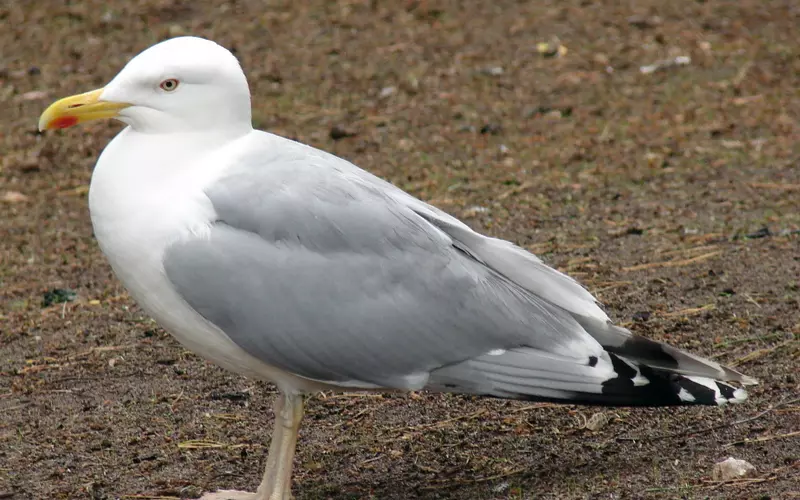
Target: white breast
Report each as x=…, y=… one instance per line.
x=147, y=190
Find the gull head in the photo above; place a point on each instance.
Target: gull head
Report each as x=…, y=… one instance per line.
x=182, y=85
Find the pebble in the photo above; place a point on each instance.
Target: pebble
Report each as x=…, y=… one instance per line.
x=501, y=488
x=491, y=128
x=13, y=197
x=340, y=132
x=33, y=95
x=664, y=64
x=387, y=91
x=493, y=71
x=732, y=468
x=597, y=421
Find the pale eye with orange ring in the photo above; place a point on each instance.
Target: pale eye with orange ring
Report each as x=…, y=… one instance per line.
x=169, y=84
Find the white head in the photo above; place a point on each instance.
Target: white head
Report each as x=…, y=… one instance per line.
x=185, y=84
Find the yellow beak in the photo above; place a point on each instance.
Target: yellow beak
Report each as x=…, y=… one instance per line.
x=78, y=109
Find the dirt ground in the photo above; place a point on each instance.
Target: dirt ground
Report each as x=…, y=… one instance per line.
x=672, y=194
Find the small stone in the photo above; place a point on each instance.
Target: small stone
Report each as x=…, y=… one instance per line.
x=597, y=421
x=339, y=132
x=491, y=128
x=33, y=95
x=191, y=491
x=13, y=197
x=411, y=84
x=387, y=91
x=405, y=144
x=643, y=22
x=665, y=64
x=641, y=316
x=732, y=468
x=493, y=71
x=177, y=30
x=601, y=59
x=501, y=488
x=551, y=49
x=476, y=209
x=764, y=232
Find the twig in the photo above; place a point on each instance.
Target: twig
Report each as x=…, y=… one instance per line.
x=225, y=416
x=11, y=408
x=759, y=353
x=435, y=425
x=475, y=481
x=687, y=251
x=689, y=312
x=740, y=482
x=446, y=421
x=703, y=237
x=761, y=439
x=673, y=263
x=199, y=444
x=516, y=190
x=775, y=185
x=534, y=406
x=728, y=343
x=348, y=395
x=610, y=285
x=713, y=427
x=352, y=419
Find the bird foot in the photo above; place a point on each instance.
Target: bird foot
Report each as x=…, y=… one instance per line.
x=229, y=495
x=239, y=495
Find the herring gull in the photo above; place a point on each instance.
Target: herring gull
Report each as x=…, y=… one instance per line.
x=285, y=263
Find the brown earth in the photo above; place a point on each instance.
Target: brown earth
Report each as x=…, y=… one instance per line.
x=673, y=195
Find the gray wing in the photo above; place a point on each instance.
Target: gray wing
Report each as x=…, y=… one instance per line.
x=317, y=268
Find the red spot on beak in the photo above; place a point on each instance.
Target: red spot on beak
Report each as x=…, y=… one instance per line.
x=64, y=122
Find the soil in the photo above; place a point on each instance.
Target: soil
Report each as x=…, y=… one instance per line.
x=673, y=194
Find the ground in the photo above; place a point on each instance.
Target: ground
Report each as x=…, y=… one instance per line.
x=673, y=194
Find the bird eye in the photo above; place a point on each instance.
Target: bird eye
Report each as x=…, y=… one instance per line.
x=169, y=85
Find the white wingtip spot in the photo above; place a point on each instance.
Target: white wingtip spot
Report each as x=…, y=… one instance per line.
x=686, y=396
x=496, y=352
x=639, y=380
x=739, y=395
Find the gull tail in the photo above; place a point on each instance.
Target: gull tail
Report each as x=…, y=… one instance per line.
x=639, y=373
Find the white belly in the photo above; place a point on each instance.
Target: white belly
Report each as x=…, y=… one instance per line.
x=137, y=210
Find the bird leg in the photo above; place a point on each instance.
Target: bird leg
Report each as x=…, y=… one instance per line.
x=277, y=481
